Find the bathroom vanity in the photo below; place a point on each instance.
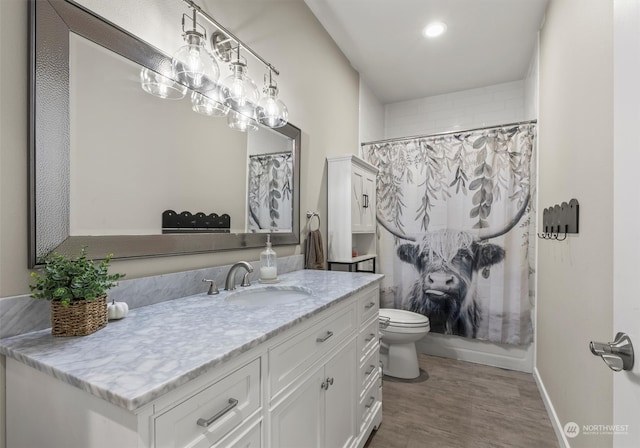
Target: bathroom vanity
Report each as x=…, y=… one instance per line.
x=203, y=371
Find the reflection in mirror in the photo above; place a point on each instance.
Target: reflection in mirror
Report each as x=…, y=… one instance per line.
x=157, y=155
x=270, y=184
x=107, y=159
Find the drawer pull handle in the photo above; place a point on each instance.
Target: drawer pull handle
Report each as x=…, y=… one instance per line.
x=205, y=423
x=371, y=337
x=371, y=369
x=328, y=335
x=369, y=305
x=371, y=401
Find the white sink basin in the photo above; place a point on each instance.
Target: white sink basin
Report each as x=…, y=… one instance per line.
x=269, y=295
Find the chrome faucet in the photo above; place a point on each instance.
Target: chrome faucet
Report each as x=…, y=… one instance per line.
x=230, y=282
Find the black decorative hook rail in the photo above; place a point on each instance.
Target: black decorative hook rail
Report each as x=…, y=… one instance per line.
x=560, y=219
x=187, y=222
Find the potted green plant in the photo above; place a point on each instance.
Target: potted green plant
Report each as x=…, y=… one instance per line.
x=77, y=289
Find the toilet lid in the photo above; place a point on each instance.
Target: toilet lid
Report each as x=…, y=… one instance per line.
x=403, y=317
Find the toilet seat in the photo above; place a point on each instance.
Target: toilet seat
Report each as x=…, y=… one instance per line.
x=402, y=318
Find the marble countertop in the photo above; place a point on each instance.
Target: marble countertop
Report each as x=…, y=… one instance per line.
x=158, y=348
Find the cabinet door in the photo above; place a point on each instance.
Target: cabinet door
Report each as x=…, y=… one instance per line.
x=340, y=398
x=357, y=200
x=368, y=221
x=297, y=421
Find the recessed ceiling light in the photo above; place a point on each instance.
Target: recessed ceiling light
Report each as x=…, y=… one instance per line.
x=435, y=29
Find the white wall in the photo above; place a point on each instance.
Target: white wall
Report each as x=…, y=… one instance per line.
x=575, y=277
x=531, y=85
x=467, y=109
x=371, y=115
x=322, y=99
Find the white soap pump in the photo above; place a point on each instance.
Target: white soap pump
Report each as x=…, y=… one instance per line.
x=268, y=263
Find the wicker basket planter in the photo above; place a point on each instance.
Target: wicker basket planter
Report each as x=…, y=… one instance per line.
x=79, y=318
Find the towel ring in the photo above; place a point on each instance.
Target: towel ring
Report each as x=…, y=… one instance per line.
x=310, y=216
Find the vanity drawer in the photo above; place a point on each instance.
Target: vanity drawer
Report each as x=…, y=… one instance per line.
x=290, y=359
x=369, y=402
x=369, y=369
x=367, y=340
x=225, y=404
x=368, y=304
x=243, y=438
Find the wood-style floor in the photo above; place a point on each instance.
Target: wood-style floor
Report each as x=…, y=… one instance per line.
x=462, y=405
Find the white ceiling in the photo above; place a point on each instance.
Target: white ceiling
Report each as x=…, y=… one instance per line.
x=487, y=42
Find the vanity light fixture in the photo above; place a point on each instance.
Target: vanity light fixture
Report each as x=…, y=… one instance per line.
x=435, y=29
x=239, y=89
x=160, y=85
x=241, y=122
x=271, y=111
x=192, y=64
x=195, y=67
x=211, y=104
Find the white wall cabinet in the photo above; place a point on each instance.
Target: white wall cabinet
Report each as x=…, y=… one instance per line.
x=314, y=385
x=351, y=209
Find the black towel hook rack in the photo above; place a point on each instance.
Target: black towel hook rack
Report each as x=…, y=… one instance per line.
x=560, y=216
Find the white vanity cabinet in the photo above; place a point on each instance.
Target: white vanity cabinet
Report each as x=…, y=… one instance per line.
x=309, y=386
x=320, y=411
x=351, y=189
x=316, y=410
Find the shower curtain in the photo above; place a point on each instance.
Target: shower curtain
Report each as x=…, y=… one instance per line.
x=270, y=177
x=456, y=224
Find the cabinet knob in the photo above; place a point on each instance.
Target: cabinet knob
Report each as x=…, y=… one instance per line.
x=326, y=383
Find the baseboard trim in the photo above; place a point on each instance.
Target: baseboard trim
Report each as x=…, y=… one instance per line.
x=553, y=417
x=481, y=352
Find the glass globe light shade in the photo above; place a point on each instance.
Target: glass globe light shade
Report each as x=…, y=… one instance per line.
x=271, y=111
x=241, y=122
x=193, y=65
x=239, y=89
x=210, y=104
x=160, y=85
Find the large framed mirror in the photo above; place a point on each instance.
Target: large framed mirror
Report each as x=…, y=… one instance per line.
x=107, y=159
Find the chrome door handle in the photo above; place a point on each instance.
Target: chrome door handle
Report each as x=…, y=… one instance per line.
x=618, y=355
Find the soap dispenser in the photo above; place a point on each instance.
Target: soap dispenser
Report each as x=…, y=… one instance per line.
x=268, y=264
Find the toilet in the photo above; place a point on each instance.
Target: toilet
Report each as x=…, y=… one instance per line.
x=400, y=329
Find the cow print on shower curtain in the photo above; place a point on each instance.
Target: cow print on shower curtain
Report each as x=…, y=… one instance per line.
x=456, y=219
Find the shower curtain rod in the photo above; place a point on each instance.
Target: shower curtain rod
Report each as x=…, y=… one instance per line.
x=438, y=134
x=279, y=153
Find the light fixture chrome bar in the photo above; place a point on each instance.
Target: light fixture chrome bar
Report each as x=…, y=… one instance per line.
x=229, y=34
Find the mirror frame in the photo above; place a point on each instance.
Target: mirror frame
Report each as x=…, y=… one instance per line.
x=51, y=21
